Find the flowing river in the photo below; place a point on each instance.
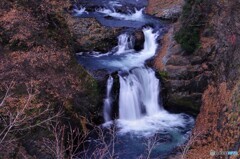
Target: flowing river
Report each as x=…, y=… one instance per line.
x=142, y=128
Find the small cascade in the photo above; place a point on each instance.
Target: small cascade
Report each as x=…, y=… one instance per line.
x=108, y=100
x=125, y=43
x=137, y=15
x=79, y=11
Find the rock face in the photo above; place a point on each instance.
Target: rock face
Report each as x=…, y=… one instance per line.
x=206, y=80
x=90, y=35
x=185, y=76
x=218, y=121
x=165, y=9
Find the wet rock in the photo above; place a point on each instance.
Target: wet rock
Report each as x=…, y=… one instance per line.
x=139, y=40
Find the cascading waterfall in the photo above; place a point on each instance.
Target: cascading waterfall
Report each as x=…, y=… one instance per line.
x=139, y=88
x=108, y=100
x=139, y=104
x=141, y=116
x=115, y=60
x=139, y=92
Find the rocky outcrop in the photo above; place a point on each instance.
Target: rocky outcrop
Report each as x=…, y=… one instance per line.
x=89, y=35
x=165, y=9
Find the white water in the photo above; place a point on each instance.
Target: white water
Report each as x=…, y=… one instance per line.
x=137, y=59
x=137, y=15
x=115, y=4
x=108, y=100
x=149, y=125
x=79, y=11
x=125, y=44
x=123, y=57
x=139, y=93
x=139, y=108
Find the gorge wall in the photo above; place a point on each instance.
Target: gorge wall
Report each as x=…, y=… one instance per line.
x=38, y=42
x=205, y=79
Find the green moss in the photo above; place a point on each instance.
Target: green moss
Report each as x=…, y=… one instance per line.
x=192, y=19
x=163, y=74
x=188, y=38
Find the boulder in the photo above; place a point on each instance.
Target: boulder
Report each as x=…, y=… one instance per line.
x=89, y=35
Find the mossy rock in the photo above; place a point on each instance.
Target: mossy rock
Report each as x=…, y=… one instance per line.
x=189, y=104
x=193, y=20
x=163, y=75
x=188, y=38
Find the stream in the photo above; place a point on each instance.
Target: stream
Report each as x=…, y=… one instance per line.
x=142, y=128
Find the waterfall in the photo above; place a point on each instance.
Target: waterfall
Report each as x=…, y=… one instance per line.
x=123, y=56
x=129, y=103
x=125, y=44
x=139, y=94
x=108, y=100
x=141, y=117
x=139, y=87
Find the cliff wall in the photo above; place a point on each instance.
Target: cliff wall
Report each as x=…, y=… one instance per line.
x=199, y=65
